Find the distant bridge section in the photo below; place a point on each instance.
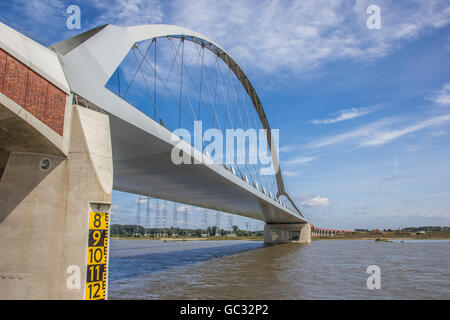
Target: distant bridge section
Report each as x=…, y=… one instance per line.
x=324, y=232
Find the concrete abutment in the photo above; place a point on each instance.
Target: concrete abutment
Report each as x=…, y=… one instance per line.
x=289, y=232
x=46, y=204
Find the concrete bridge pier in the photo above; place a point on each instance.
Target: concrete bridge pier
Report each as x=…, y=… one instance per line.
x=55, y=196
x=289, y=232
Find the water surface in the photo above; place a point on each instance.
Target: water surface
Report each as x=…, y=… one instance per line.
x=334, y=269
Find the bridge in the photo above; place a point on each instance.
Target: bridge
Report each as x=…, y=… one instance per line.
x=100, y=111
x=325, y=232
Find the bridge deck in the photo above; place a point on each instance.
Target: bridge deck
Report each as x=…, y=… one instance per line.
x=142, y=165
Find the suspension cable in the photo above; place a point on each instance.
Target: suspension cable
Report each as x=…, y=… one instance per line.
x=148, y=89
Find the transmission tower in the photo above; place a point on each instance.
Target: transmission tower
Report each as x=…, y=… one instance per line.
x=147, y=217
x=175, y=220
x=217, y=224
x=205, y=223
x=230, y=225
x=157, y=218
x=164, y=218
x=138, y=216
x=186, y=223
x=247, y=227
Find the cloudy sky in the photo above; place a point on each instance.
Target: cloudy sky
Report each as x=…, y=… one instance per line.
x=363, y=114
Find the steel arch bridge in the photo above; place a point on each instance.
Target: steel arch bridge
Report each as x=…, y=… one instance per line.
x=110, y=68
x=97, y=112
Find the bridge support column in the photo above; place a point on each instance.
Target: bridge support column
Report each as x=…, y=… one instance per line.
x=305, y=234
x=292, y=232
x=47, y=203
x=284, y=235
x=268, y=234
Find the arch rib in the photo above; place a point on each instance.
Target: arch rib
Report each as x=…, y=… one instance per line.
x=122, y=39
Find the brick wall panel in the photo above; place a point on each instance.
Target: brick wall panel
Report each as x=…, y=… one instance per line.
x=36, y=96
x=15, y=83
x=56, y=103
x=33, y=92
x=3, y=56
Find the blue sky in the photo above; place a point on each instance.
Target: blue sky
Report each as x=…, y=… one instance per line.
x=364, y=115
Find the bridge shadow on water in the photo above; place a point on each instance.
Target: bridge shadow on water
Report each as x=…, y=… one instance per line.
x=135, y=265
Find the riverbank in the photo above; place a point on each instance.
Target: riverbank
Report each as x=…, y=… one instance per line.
x=382, y=239
x=189, y=238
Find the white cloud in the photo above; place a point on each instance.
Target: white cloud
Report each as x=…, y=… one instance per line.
x=129, y=12
x=344, y=137
x=267, y=35
x=300, y=160
x=287, y=148
x=316, y=201
x=42, y=19
x=347, y=114
x=297, y=35
x=379, y=138
x=284, y=37
x=43, y=11
x=289, y=173
x=377, y=133
x=442, y=98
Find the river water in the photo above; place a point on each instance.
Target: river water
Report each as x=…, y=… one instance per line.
x=328, y=269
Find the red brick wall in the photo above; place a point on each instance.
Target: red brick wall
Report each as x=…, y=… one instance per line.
x=2, y=68
x=15, y=83
x=36, y=97
x=53, y=116
x=28, y=89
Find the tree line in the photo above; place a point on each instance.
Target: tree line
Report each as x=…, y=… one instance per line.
x=129, y=230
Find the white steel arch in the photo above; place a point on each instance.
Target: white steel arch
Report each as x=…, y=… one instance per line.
x=101, y=50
